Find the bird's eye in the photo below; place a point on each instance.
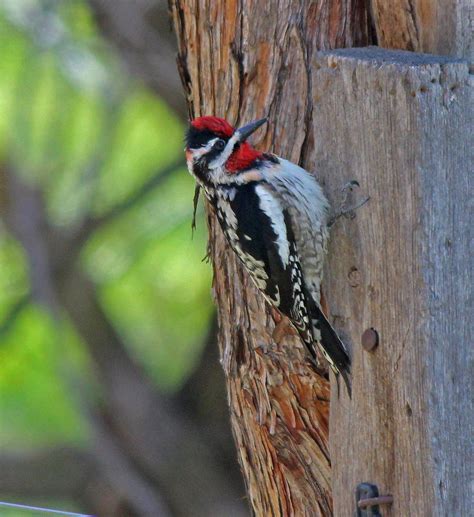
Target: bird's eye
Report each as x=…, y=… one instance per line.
x=219, y=145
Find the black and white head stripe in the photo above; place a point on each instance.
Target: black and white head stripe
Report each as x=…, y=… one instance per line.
x=197, y=138
x=223, y=155
x=218, y=146
x=215, y=148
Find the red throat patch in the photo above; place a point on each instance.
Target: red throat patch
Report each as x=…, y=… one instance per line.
x=242, y=158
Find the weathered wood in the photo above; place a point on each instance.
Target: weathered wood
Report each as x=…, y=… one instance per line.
x=401, y=124
x=441, y=26
x=244, y=60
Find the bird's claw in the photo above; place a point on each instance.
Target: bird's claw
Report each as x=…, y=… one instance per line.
x=349, y=186
x=344, y=210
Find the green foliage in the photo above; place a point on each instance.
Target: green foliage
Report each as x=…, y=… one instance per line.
x=35, y=403
x=148, y=261
x=13, y=277
x=72, y=124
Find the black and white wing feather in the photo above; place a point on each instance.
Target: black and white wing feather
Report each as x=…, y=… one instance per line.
x=260, y=231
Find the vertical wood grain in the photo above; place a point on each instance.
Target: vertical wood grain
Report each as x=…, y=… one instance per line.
x=401, y=124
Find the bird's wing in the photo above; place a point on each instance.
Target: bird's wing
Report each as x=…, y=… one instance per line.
x=261, y=233
x=300, y=194
x=255, y=225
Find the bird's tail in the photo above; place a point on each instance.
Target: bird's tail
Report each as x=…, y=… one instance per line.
x=330, y=344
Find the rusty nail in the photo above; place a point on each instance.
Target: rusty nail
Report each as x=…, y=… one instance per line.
x=370, y=339
x=368, y=500
x=374, y=501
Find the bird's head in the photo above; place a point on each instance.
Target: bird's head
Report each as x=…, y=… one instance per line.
x=215, y=150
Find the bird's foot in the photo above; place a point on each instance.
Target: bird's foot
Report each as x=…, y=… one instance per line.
x=346, y=210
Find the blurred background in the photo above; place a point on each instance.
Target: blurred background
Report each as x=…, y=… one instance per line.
x=112, y=400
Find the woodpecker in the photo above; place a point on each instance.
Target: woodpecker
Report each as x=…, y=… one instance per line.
x=274, y=216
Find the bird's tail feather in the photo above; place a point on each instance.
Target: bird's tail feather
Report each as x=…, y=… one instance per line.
x=330, y=344
x=347, y=381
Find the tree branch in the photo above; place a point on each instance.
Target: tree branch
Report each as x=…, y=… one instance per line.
x=64, y=473
x=55, y=473
x=91, y=224
x=141, y=33
x=27, y=221
x=157, y=435
x=123, y=475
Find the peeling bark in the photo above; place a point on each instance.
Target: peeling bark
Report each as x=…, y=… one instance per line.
x=245, y=60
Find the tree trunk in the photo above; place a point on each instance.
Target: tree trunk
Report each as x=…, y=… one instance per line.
x=245, y=60
x=440, y=27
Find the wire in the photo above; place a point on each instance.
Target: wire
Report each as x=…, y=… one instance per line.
x=44, y=510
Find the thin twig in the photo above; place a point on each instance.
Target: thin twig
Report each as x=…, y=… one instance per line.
x=13, y=313
x=91, y=224
x=197, y=191
x=155, y=181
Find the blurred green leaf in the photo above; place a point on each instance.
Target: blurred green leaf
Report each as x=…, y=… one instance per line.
x=73, y=123
x=13, y=274
x=34, y=406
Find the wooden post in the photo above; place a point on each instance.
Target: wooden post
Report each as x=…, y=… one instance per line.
x=401, y=124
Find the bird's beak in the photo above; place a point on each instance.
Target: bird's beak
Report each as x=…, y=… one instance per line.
x=244, y=132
